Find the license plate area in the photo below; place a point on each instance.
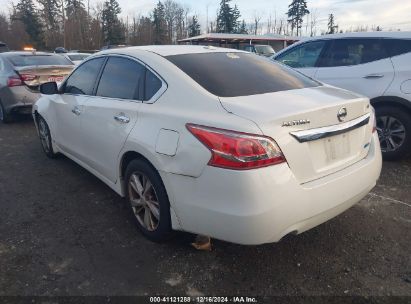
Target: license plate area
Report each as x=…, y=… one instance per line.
x=56, y=79
x=337, y=147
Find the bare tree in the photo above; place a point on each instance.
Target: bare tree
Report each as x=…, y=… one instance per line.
x=257, y=18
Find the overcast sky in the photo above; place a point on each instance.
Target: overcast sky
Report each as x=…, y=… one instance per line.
x=389, y=14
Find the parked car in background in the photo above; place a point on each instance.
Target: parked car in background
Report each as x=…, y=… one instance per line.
x=377, y=65
x=260, y=49
x=21, y=73
x=277, y=152
x=3, y=47
x=76, y=58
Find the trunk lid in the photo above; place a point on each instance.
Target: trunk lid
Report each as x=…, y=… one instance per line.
x=314, y=110
x=33, y=76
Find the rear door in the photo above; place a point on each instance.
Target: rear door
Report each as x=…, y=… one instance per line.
x=111, y=114
x=69, y=106
x=357, y=64
x=304, y=57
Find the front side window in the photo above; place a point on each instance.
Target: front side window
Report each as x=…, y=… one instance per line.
x=239, y=74
x=82, y=80
x=121, y=78
x=348, y=52
x=303, y=56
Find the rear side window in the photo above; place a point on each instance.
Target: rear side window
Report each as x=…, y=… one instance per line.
x=239, y=74
x=397, y=46
x=121, y=79
x=303, y=56
x=82, y=80
x=153, y=84
x=348, y=52
x=29, y=60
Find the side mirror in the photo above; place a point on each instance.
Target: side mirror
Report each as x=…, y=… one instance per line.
x=49, y=88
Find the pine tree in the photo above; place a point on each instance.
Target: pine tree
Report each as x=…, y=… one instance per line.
x=296, y=12
x=52, y=21
x=194, y=27
x=160, y=25
x=113, y=31
x=332, y=27
x=243, y=28
x=227, y=18
x=27, y=14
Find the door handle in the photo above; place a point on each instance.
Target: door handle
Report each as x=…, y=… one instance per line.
x=122, y=118
x=76, y=110
x=372, y=76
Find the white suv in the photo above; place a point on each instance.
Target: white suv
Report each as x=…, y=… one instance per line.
x=377, y=65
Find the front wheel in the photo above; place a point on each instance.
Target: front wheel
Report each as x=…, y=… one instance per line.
x=45, y=137
x=394, y=132
x=148, y=200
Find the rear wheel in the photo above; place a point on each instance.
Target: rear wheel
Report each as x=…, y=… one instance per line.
x=148, y=200
x=45, y=137
x=4, y=116
x=394, y=132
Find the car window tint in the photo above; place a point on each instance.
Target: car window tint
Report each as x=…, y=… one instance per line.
x=82, y=80
x=303, y=56
x=348, y=52
x=121, y=78
x=239, y=74
x=397, y=46
x=153, y=84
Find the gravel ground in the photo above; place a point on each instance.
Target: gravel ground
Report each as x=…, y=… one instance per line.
x=64, y=232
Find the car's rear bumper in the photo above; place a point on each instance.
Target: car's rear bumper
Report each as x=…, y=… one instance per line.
x=19, y=99
x=263, y=205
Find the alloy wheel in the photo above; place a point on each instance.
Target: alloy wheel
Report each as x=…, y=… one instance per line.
x=144, y=201
x=44, y=135
x=391, y=133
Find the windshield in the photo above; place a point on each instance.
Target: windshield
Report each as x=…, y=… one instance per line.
x=264, y=49
x=29, y=59
x=239, y=74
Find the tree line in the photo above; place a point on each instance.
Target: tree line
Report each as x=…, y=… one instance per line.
x=74, y=24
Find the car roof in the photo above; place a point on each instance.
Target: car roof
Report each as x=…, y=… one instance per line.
x=169, y=50
x=398, y=34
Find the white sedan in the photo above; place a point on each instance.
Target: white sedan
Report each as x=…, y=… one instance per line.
x=213, y=141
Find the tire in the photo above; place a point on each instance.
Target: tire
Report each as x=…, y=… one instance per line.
x=45, y=137
x=394, y=132
x=4, y=116
x=150, y=206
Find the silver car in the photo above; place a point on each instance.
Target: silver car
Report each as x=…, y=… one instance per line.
x=21, y=73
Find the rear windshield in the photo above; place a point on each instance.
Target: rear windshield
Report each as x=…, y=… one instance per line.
x=239, y=74
x=78, y=56
x=28, y=60
x=264, y=49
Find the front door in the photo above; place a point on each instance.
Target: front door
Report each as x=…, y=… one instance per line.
x=69, y=106
x=303, y=57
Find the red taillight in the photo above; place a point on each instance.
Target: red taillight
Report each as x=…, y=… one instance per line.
x=236, y=150
x=20, y=79
x=27, y=77
x=14, y=81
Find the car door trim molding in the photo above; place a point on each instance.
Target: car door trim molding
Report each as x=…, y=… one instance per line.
x=324, y=132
